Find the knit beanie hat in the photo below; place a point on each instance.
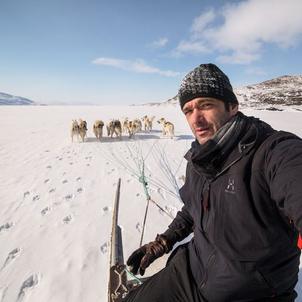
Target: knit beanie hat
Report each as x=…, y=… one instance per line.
x=206, y=80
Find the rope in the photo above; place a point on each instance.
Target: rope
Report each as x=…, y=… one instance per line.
x=133, y=276
x=162, y=209
x=142, y=179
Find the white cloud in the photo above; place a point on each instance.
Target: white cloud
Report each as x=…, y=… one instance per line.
x=138, y=66
x=247, y=26
x=201, y=22
x=162, y=42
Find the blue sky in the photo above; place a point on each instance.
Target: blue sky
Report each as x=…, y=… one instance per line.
x=135, y=51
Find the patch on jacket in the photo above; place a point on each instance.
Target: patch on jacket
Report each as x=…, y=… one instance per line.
x=230, y=188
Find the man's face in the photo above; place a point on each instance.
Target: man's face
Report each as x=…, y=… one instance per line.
x=206, y=116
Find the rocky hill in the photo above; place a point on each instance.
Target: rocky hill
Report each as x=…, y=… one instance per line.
x=281, y=93
x=8, y=99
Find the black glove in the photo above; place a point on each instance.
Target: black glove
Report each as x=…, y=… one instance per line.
x=145, y=255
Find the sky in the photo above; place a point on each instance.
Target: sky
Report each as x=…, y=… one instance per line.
x=133, y=52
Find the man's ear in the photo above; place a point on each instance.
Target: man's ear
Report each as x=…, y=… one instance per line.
x=233, y=108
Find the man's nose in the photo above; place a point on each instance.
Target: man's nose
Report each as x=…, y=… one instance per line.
x=197, y=115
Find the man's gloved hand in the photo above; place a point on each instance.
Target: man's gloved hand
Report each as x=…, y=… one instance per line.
x=145, y=255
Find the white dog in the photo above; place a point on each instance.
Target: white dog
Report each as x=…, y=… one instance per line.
x=75, y=130
x=98, y=129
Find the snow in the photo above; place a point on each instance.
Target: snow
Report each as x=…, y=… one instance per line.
x=57, y=196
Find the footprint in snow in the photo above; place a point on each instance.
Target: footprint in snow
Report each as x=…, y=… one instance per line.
x=60, y=158
x=46, y=151
x=67, y=219
x=104, y=248
x=68, y=197
x=36, y=197
x=48, y=167
x=138, y=227
x=11, y=256
x=87, y=165
x=105, y=210
x=28, y=284
x=64, y=181
x=3, y=293
x=79, y=190
x=26, y=194
x=71, y=163
x=137, y=194
x=52, y=190
x=45, y=210
x=6, y=226
x=78, y=179
x=46, y=180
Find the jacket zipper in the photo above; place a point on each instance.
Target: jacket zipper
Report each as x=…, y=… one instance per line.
x=206, y=205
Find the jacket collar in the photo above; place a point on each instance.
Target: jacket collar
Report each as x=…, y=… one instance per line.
x=253, y=135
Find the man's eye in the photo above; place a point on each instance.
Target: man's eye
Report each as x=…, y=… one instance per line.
x=187, y=111
x=205, y=105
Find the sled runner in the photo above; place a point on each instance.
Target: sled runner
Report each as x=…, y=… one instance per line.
x=120, y=280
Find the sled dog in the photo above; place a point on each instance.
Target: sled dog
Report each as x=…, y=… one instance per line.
x=82, y=129
x=75, y=130
x=167, y=127
x=98, y=129
x=114, y=127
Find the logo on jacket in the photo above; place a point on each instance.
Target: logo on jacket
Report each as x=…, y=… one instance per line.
x=231, y=186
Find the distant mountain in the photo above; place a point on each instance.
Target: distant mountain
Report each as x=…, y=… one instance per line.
x=8, y=99
x=277, y=94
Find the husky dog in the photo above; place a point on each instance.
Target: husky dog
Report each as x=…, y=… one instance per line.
x=168, y=127
x=147, y=122
x=114, y=127
x=138, y=123
x=82, y=129
x=98, y=129
x=124, y=123
x=132, y=128
x=75, y=130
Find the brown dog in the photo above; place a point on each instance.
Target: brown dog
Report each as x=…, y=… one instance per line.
x=114, y=127
x=82, y=129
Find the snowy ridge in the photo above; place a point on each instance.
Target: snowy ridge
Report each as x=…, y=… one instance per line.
x=8, y=99
x=277, y=94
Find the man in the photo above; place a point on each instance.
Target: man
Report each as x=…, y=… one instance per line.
x=242, y=201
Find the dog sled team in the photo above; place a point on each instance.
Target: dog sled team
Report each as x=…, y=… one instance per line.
x=117, y=127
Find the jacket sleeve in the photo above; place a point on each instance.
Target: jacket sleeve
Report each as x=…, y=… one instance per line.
x=284, y=172
x=182, y=225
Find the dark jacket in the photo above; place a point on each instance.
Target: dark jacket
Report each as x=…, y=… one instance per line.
x=245, y=217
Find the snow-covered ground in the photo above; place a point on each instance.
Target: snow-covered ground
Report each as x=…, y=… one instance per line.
x=56, y=196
